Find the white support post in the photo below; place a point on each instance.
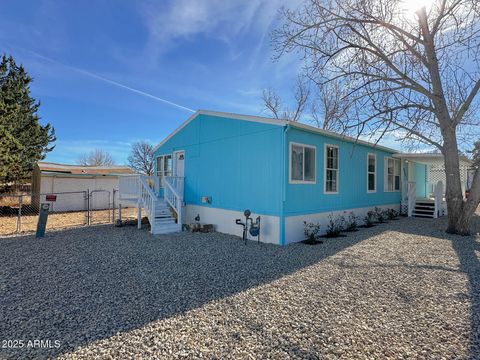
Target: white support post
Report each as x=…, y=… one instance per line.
x=139, y=215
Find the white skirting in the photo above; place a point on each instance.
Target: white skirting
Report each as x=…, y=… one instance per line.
x=224, y=222
x=294, y=224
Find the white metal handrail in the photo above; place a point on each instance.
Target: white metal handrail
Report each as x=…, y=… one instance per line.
x=147, y=197
x=411, y=196
x=438, y=196
x=174, y=194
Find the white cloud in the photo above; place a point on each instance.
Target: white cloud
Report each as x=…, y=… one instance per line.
x=220, y=19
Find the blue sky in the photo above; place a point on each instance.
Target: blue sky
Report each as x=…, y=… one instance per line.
x=199, y=54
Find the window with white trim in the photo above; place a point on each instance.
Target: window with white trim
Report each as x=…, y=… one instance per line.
x=371, y=173
x=331, y=169
x=164, y=167
x=302, y=163
x=392, y=174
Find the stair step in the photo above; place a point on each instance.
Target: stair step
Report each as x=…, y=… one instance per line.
x=422, y=208
x=163, y=214
x=425, y=206
x=164, y=222
x=422, y=215
x=166, y=229
x=425, y=203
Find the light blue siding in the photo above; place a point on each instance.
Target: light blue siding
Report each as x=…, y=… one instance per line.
x=243, y=164
x=236, y=163
x=310, y=198
x=420, y=175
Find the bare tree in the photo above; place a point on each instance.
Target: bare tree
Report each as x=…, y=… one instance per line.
x=320, y=107
x=274, y=104
x=408, y=71
x=328, y=107
x=141, y=157
x=97, y=157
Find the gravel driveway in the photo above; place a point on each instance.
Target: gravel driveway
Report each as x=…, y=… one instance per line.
x=398, y=290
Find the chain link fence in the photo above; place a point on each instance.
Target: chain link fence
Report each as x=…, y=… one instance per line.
x=19, y=213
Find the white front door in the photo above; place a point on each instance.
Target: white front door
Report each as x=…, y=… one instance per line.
x=179, y=165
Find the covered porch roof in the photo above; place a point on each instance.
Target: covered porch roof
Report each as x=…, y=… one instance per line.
x=427, y=158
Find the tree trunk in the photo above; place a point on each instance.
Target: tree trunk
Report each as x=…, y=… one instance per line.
x=453, y=187
x=460, y=212
x=469, y=207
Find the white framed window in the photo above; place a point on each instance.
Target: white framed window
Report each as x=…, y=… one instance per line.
x=331, y=169
x=392, y=174
x=164, y=167
x=371, y=173
x=303, y=160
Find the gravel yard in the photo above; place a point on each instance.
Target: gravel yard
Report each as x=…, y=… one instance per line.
x=398, y=290
x=8, y=224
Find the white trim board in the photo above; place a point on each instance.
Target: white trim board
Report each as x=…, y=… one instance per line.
x=224, y=222
x=278, y=122
x=294, y=224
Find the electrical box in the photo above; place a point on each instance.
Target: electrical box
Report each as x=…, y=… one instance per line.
x=206, y=199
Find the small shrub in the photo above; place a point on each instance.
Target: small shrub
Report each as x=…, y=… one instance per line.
x=335, y=225
x=370, y=218
x=351, y=223
x=311, y=231
x=392, y=214
x=380, y=215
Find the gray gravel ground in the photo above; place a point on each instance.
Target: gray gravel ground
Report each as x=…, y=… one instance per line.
x=399, y=290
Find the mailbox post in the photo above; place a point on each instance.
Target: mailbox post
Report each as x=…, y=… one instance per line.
x=42, y=220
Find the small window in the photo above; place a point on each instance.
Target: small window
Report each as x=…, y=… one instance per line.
x=302, y=163
x=392, y=174
x=164, y=167
x=371, y=173
x=331, y=169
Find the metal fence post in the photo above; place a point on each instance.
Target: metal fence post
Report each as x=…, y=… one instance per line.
x=113, y=206
x=88, y=206
x=19, y=215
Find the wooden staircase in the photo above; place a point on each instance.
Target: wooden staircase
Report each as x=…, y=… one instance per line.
x=162, y=221
x=135, y=190
x=424, y=208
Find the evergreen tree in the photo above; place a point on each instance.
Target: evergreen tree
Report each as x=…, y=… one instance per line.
x=23, y=140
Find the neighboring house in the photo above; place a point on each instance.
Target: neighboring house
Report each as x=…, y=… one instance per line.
x=216, y=165
x=68, y=181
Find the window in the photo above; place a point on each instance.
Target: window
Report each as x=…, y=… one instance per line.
x=302, y=163
x=371, y=173
x=331, y=169
x=392, y=174
x=164, y=167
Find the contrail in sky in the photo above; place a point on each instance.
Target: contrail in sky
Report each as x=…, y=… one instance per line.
x=111, y=82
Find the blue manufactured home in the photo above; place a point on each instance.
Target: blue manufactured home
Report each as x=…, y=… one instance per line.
x=216, y=165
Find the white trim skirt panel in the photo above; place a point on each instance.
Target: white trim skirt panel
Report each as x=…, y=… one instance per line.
x=224, y=222
x=294, y=224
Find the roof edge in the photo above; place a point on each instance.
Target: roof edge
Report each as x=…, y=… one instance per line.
x=273, y=121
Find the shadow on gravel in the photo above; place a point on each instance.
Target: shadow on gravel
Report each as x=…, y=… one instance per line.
x=467, y=249
x=82, y=285
x=78, y=286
